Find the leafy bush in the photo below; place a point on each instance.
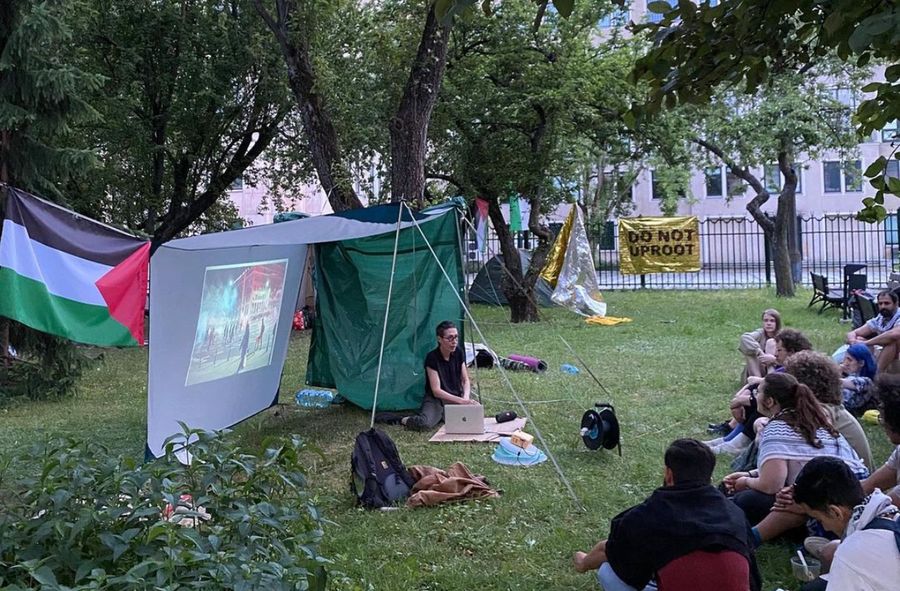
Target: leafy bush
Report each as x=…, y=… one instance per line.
x=47, y=367
x=75, y=516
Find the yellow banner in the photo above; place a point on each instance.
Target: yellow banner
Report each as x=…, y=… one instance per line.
x=659, y=245
x=557, y=254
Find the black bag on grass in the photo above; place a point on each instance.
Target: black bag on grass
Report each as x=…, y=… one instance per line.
x=378, y=477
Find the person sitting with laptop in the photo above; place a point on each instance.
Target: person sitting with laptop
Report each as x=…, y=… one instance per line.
x=446, y=379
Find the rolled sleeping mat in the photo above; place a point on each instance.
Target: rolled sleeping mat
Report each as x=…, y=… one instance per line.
x=535, y=364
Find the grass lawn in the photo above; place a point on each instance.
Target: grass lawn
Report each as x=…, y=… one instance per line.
x=669, y=372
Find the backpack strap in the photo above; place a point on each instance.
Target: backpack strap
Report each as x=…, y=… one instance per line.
x=888, y=525
x=389, y=449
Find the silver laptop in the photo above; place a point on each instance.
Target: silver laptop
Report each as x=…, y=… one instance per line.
x=465, y=419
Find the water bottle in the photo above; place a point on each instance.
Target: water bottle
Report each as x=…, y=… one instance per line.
x=303, y=398
x=569, y=368
x=309, y=398
x=323, y=399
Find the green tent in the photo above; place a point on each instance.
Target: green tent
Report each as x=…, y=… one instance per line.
x=352, y=279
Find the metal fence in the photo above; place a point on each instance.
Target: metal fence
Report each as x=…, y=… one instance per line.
x=735, y=253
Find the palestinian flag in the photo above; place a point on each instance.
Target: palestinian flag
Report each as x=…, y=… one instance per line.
x=71, y=276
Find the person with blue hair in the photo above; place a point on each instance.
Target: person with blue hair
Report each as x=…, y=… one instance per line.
x=859, y=369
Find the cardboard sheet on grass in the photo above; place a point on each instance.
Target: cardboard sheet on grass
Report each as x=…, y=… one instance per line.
x=492, y=432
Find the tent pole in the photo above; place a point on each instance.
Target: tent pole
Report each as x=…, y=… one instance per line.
x=518, y=398
x=387, y=312
x=462, y=261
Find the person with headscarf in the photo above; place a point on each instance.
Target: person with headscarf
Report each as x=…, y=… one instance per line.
x=859, y=369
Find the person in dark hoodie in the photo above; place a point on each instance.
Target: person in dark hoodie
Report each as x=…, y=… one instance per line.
x=686, y=533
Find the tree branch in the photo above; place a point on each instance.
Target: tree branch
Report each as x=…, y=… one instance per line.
x=754, y=206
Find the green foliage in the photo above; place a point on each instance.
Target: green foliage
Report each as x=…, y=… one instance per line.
x=45, y=368
x=193, y=92
x=75, y=516
x=696, y=52
x=42, y=98
x=42, y=95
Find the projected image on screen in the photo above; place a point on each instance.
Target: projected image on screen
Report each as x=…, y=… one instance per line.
x=238, y=320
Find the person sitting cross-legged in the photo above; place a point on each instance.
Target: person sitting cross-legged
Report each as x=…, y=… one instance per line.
x=446, y=382
x=798, y=430
x=686, y=535
x=868, y=558
x=742, y=428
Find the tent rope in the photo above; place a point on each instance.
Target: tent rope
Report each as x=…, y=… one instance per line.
x=543, y=317
x=503, y=373
x=387, y=313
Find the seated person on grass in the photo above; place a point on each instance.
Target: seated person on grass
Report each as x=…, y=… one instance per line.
x=740, y=430
x=883, y=330
x=868, y=558
x=885, y=478
x=686, y=535
x=859, y=368
x=758, y=346
x=798, y=430
x=446, y=382
x=823, y=376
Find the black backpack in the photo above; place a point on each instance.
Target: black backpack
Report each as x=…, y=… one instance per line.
x=378, y=477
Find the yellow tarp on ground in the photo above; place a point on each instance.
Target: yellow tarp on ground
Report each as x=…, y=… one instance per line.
x=606, y=320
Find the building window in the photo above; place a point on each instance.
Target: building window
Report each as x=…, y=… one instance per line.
x=655, y=190
x=617, y=185
x=654, y=17
x=842, y=177
x=774, y=180
x=734, y=185
x=893, y=169
x=853, y=176
x=831, y=174
x=891, y=131
x=237, y=184
x=714, y=184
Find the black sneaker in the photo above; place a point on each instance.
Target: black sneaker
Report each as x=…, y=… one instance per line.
x=719, y=428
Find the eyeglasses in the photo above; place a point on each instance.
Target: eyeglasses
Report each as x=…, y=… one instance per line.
x=452, y=337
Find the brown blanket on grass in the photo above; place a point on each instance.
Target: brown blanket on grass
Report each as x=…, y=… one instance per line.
x=435, y=486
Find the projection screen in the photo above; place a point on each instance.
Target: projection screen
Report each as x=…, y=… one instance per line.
x=219, y=330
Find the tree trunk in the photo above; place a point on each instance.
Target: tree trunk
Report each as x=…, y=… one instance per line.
x=409, y=126
x=787, y=201
x=782, y=231
x=325, y=148
x=519, y=293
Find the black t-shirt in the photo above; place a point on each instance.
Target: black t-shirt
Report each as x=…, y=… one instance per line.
x=449, y=371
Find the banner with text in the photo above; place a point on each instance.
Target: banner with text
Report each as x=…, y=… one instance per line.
x=659, y=245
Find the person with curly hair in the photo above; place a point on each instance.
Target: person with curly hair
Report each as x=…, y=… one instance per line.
x=798, y=430
x=740, y=429
x=823, y=376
